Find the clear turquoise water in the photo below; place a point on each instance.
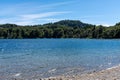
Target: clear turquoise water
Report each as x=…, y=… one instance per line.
x=32, y=58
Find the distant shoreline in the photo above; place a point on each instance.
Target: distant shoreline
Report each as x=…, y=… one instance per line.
x=61, y=29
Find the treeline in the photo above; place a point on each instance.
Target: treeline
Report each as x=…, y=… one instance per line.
x=61, y=29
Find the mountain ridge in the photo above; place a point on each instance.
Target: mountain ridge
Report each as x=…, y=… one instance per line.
x=69, y=23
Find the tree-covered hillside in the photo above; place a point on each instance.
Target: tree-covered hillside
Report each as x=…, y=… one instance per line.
x=61, y=29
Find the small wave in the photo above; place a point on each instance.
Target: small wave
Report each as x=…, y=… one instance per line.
x=109, y=63
x=2, y=50
x=101, y=66
x=18, y=74
x=113, y=67
x=52, y=70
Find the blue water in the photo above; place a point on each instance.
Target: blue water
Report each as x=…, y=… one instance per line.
x=32, y=58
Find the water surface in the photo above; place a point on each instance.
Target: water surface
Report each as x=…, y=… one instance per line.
x=32, y=58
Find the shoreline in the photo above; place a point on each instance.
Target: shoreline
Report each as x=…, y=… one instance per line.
x=112, y=73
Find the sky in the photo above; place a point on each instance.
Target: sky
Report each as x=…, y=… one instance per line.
x=31, y=12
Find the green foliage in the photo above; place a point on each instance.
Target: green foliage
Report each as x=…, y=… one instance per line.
x=61, y=29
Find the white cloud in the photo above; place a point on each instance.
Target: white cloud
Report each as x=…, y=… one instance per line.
x=106, y=25
x=41, y=15
x=32, y=19
x=26, y=8
x=53, y=5
x=24, y=14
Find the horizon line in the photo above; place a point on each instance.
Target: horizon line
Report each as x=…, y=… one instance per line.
x=106, y=25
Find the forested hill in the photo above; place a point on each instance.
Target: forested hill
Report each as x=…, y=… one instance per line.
x=72, y=23
x=61, y=29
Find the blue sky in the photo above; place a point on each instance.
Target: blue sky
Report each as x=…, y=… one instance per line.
x=30, y=12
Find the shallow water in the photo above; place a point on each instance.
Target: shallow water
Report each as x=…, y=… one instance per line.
x=32, y=58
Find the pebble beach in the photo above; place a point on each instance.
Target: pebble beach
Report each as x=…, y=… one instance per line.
x=108, y=74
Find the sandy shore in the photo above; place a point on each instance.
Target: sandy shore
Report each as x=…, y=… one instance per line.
x=108, y=74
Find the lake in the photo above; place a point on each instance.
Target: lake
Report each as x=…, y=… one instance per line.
x=32, y=58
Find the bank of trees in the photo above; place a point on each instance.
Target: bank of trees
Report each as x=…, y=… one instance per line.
x=62, y=29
